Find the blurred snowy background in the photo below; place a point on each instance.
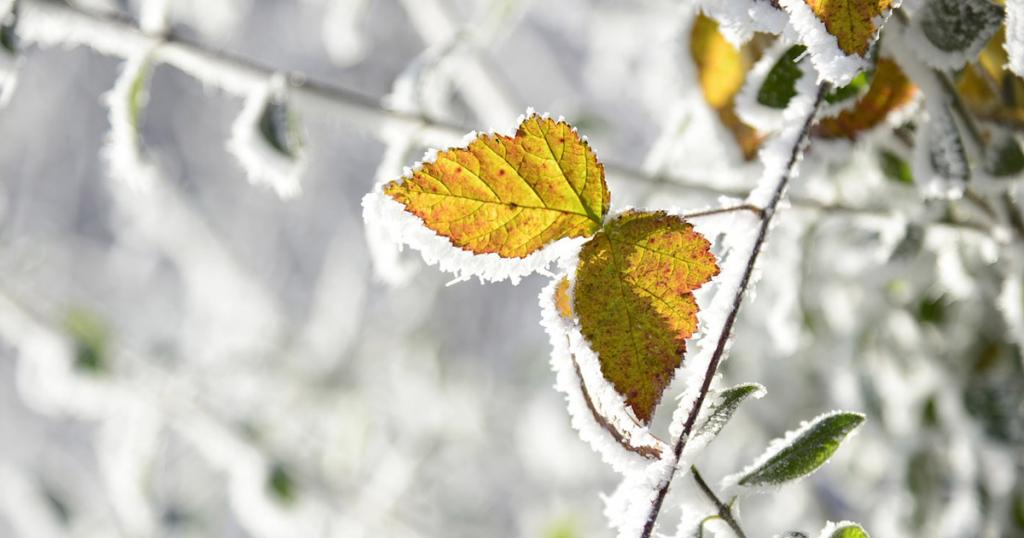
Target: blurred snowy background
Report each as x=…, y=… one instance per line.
x=199, y=356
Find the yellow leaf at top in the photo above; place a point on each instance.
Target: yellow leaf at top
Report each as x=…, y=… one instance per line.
x=852, y=22
x=890, y=90
x=722, y=68
x=510, y=195
x=633, y=298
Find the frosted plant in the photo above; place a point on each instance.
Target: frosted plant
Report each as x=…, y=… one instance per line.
x=812, y=255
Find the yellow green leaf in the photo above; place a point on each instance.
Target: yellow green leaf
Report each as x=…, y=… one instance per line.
x=510, y=195
x=722, y=69
x=562, y=300
x=889, y=91
x=989, y=90
x=633, y=298
x=852, y=22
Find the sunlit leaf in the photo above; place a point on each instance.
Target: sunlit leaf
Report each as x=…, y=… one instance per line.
x=722, y=69
x=510, y=195
x=801, y=452
x=633, y=297
x=779, y=85
x=889, y=91
x=852, y=22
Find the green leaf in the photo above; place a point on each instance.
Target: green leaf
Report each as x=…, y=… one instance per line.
x=849, y=530
x=802, y=451
x=1005, y=157
x=724, y=405
x=779, y=85
x=90, y=336
x=857, y=87
x=895, y=167
x=138, y=94
x=960, y=25
x=281, y=484
x=8, y=30
x=279, y=128
x=634, y=300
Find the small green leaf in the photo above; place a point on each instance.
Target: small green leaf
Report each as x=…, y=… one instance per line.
x=779, y=85
x=960, y=25
x=1005, y=157
x=851, y=530
x=8, y=30
x=281, y=484
x=138, y=94
x=724, y=405
x=802, y=451
x=857, y=87
x=90, y=336
x=895, y=167
x=279, y=127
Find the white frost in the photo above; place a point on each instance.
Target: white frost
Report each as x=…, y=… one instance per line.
x=123, y=148
x=1014, y=44
x=765, y=118
x=832, y=63
x=738, y=20
x=264, y=164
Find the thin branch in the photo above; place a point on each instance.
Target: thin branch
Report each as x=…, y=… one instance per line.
x=724, y=510
x=729, y=209
x=730, y=320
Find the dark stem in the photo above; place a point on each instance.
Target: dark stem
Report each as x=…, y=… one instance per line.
x=724, y=510
x=718, y=211
x=762, y=234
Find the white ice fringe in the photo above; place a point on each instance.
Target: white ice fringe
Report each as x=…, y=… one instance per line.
x=627, y=508
x=768, y=119
x=393, y=227
x=123, y=149
x=1014, y=44
x=738, y=20
x=938, y=142
x=263, y=164
x=731, y=482
x=832, y=527
x=569, y=347
x=938, y=58
x=832, y=63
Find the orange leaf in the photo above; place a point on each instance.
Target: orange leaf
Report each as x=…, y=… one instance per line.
x=890, y=90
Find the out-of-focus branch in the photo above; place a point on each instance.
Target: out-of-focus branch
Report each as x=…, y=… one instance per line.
x=50, y=24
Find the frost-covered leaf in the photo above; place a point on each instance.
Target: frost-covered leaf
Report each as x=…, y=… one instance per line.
x=800, y=452
x=890, y=90
x=940, y=164
x=843, y=529
x=722, y=69
x=779, y=86
x=266, y=139
x=853, y=23
x=633, y=297
x=957, y=27
x=839, y=34
x=510, y=195
x=724, y=405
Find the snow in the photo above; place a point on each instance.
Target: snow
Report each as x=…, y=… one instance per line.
x=739, y=20
x=768, y=119
x=944, y=59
